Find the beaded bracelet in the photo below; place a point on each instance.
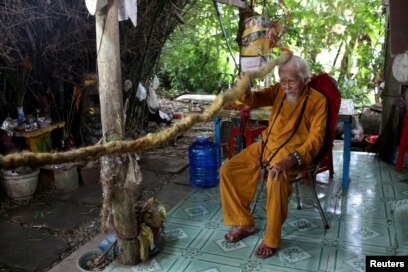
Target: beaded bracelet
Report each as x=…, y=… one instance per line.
x=295, y=155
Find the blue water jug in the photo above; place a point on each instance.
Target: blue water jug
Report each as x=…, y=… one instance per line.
x=204, y=159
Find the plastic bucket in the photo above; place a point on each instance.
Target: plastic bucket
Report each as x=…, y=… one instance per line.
x=20, y=187
x=66, y=178
x=84, y=258
x=90, y=175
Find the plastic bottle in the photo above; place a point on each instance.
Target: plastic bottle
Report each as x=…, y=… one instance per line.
x=204, y=163
x=107, y=242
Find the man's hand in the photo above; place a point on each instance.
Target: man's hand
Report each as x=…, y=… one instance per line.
x=280, y=168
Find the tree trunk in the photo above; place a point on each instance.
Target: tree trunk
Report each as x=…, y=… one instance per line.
x=111, y=101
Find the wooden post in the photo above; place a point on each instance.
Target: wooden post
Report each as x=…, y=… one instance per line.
x=391, y=112
x=111, y=100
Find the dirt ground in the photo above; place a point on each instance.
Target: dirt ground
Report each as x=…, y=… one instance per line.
x=174, y=148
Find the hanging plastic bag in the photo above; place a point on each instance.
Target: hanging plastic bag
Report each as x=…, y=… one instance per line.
x=127, y=85
x=165, y=116
x=152, y=100
x=141, y=92
x=155, y=83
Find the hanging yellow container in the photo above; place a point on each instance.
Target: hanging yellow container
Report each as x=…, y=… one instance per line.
x=255, y=40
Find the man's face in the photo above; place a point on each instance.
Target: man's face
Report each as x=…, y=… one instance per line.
x=291, y=83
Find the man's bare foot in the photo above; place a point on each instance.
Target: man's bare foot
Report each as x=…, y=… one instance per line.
x=263, y=251
x=239, y=233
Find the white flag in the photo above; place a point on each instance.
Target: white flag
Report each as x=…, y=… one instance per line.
x=94, y=5
x=127, y=9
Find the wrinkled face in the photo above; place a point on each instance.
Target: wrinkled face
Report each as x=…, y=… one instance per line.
x=291, y=83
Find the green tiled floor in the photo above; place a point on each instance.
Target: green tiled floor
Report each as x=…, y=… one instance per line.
x=361, y=223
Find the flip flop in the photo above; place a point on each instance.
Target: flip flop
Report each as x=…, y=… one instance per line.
x=237, y=235
x=263, y=251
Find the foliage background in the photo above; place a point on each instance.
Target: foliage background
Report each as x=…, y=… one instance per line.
x=182, y=42
x=342, y=37
x=195, y=58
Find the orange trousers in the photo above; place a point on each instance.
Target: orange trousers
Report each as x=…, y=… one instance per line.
x=238, y=182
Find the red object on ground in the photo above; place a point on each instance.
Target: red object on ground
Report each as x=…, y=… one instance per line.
x=372, y=139
x=177, y=115
x=250, y=133
x=403, y=145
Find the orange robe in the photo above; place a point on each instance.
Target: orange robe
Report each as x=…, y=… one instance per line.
x=239, y=175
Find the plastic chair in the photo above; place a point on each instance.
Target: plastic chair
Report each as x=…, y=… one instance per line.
x=251, y=131
x=328, y=86
x=403, y=145
x=324, y=160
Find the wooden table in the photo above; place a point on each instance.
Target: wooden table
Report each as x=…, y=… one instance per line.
x=39, y=140
x=346, y=113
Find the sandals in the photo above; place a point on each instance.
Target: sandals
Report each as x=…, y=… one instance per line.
x=263, y=251
x=237, y=235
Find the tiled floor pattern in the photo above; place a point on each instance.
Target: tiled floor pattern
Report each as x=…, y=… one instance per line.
x=361, y=223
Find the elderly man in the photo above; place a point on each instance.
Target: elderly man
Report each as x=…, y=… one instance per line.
x=294, y=137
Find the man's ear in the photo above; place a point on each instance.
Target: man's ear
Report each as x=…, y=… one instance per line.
x=307, y=80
